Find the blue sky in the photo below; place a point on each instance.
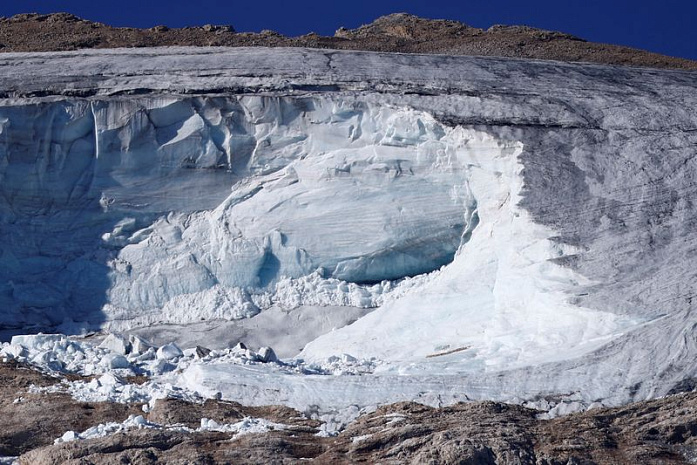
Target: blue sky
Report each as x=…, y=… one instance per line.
x=666, y=27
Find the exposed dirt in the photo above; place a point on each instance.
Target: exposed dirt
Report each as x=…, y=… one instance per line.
x=662, y=431
x=394, y=33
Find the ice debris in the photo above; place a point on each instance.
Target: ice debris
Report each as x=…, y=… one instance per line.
x=266, y=354
x=115, y=361
x=169, y=352
x=116, y=343
x=247, y=425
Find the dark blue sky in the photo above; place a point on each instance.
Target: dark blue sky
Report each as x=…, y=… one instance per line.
x=666, y=26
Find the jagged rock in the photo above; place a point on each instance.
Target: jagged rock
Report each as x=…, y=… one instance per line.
x=342, y=32
x=41, y=418
x=217, y=29
x=658, y=431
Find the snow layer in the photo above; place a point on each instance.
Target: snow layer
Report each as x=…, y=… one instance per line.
x=523, y=229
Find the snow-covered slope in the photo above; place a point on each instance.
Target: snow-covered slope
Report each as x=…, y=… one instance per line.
x=510, y=221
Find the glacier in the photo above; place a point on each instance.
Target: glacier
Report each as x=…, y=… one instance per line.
x=484, y=228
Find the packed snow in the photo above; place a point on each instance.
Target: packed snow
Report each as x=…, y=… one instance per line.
x=423, y=228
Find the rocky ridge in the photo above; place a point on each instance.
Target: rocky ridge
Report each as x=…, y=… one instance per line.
x=399, y=32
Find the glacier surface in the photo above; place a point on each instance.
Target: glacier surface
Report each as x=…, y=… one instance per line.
x=519, y=229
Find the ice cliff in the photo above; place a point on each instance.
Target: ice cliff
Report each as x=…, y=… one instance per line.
x=508, y=220
x=129, y=208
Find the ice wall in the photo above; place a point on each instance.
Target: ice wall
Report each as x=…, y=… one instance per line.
x=133, y=211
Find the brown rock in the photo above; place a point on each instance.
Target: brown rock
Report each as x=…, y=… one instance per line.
x=33, y=420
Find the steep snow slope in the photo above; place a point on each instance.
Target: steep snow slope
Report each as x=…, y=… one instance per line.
x=509, y=220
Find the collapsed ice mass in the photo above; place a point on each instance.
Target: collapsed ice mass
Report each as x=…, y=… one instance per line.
x=114, y=209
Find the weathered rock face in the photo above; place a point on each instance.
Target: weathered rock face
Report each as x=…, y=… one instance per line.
x=661, y=431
